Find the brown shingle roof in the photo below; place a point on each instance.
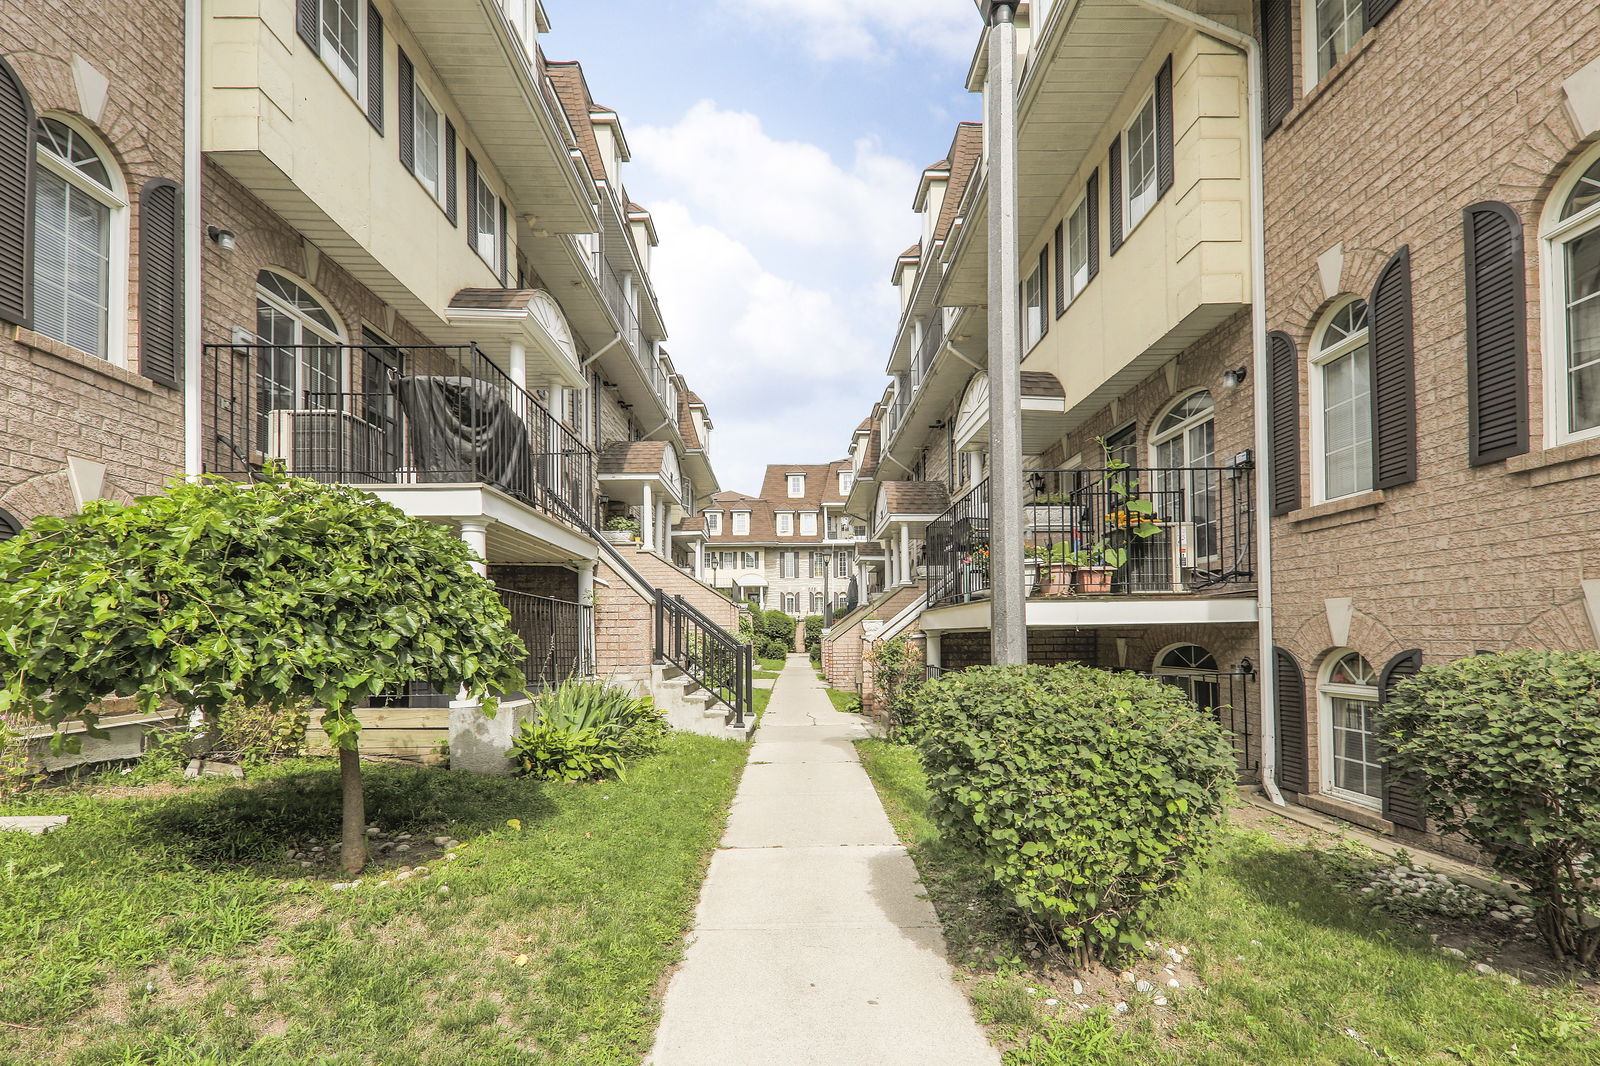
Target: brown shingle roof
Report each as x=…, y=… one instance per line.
x=633, y=457
x=965, y=151
x=869, y=462
x=686, y=430
x=573, y=92
x=916, y=497
x=822, y=485
x=1039, y=383
x=493, y=299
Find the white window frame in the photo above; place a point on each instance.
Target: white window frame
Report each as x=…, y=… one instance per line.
x=785, y=523
x=741, y=523
x=841, y=565
x=1326, y=693
x=1075, y=284
x=816, y=602
x=1136, y=211
x=846, y=480
x=713, y=523
x=791, y=603
x=788, y=565
x=750, y=560
x=1310, y=38
x=118, y=237
x=797, y=486
x=1320, y=357
x=353, y=80
x=420, y=99
x=492, y=259
x=1032, y=300
x=1555, y=234
x=808, y=523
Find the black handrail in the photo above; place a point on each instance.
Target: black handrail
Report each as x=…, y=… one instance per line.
x=719, y=662
x=555, y=632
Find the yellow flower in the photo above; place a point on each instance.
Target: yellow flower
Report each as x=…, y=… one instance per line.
x=515, y=823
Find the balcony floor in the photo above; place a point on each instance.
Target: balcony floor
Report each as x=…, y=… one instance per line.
x=1102, y=611
x=517, y=533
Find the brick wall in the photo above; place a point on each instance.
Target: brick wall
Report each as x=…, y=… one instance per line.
x=624, y=626
x=1464, y=558
x=57, y=401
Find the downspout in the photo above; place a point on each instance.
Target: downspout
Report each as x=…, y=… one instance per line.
x=1247, y=44
x=193, y=228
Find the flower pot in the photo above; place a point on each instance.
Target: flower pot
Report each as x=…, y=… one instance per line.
x=1055, y=579
x=617, y=536
x=1030, y=577
x=1093, y=578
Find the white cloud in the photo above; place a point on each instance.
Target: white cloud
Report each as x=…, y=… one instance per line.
x=836, y=30
x=726, y=166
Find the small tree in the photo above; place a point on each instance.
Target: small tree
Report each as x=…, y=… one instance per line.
x=220, y=595
x=1506, y=750
x=897, y=673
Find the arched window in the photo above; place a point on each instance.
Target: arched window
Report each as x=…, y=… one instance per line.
x=1193, y=669
x=300, y=364
x=1572, y=303
x=80, y=241
x=1341, y=404
x=1348, y=694
x=1182, y=446
x=9, y=526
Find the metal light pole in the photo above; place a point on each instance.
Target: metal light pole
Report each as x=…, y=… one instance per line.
x=1008, y=598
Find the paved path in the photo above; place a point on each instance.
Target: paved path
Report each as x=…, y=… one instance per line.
x=812, y=945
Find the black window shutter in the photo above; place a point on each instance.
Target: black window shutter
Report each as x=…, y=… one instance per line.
x=1044, y=290
x=1402, y=802
x=306, y=23
x=1394, y=390
x=161, y=282
x=1283, y=367
x=1377, y=10
x=374, y=68
x=1289, y=690
x=1114, y=169
x=1061, y=268
x=472, y=201
x=1277, y=62
x=1164, y=129
x=450, y=171
x=1497, y=334
x=16, y=198
x=1092, y=198
x=408, y=111
x=505, y=247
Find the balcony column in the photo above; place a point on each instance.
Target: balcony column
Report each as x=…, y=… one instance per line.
x=935, y=651
x=478, y=743
x=475, y=531
x=517, y=365
x=663, y=532
x=905, y=554
x=700, y=560
x=586, y=632
x=647, y=519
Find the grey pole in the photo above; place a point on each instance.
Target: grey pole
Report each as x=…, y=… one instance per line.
x=1008, y=622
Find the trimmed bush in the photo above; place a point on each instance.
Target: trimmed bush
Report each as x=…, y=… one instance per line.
x=813, y=624
x=1505, y=750
x=585, y=730
x=1085, y=794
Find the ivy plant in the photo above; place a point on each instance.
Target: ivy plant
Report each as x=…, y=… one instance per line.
x=219, y=595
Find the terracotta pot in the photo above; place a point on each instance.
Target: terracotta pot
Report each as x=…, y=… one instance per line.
x=1094, y=578
x=1055, y=579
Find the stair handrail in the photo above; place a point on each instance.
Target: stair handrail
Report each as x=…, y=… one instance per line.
x=726, y=675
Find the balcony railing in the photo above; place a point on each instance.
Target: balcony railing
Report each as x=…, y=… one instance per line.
x=1162, y=531
x=388, y=415
x=616, y=297
x=556, y=633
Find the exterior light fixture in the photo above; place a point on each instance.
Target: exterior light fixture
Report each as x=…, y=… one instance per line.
x=225, y=239
x=1232, y=379
x=1247, y=668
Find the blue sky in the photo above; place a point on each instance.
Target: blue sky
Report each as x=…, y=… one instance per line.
x=777, y=143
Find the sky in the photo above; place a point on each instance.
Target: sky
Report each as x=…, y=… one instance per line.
x=778, y=144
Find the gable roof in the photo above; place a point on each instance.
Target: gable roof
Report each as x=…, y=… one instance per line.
x=916, y=497
x=965, y=152
x=572, y=90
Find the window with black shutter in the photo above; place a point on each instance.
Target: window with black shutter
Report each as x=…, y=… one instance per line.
x=1114, y=170
x=1378, y=10
x=16, y=198
x=1394, y=393
x=407, y=111
x=1044, y=287
x=374, y=68
x=505, y=246
x=9, y=526
x=1277, y=62
x=1061, y=267
x=1289, y=694
x=1283, y=367
x=1092, y=197
x=1164, y=128
x=308, y=22
x=450, y=171
x=1497, y=334
x=1402, y=793
x=161, y=282
x=472, y=201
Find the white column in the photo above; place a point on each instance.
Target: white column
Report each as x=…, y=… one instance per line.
x=517, y=365
x=905, y=554
x=475, y=531
x=935, y=650
x=586, y=597
x=647, y=518
x=663, y=532
x=700, y=560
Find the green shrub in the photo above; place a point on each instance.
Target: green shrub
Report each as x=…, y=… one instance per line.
x=1505, y=750
x=623, y=524
x=253, y=736
x=584, y=730
x=897, y=674
x=1085, y=794
x=813, y=624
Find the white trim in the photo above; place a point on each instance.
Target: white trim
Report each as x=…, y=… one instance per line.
x=1087, y=611
x=1554, y=232
x=1129, y=223
x=329, y=58
x=441, y=161
x=1317, y=359
x=1326, y=691
x=1309, y=32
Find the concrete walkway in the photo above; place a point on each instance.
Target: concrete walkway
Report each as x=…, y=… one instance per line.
x=813, y=945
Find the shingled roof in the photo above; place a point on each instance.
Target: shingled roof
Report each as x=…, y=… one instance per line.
x=965, y=152
x=916, y=497
x=573, y=93
x=633, y=457
x=1040, y=383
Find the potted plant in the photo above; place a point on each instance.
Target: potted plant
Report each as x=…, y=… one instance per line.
x=1054, y=567
x=621, y=530
x=1050, y=512
x=975, y=571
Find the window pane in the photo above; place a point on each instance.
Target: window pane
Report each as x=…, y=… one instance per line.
x=1583, y=332
x=72, y=264
x=427, y=143
x=341, y=39
x=1585, y=194
x=1078, y=250
x=1354, y=747
x=1339, y=25
x=1141, y=173
x=1347, y=424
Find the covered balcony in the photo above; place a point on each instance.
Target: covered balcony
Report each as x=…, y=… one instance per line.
x=1106, y=547
x=440, y=431
x=645, y=476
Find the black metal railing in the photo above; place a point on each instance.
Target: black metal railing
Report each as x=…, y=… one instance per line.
x=928, y=349
x=1224, y=695
x=378, y=414
x=556, y=633
x=709, y=654
x=1175, y=530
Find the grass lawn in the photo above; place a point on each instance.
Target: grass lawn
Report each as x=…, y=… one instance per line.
x=759, y=698
x=848, y=702
x=166, y=924
x=1283, y=966
x=771, y=666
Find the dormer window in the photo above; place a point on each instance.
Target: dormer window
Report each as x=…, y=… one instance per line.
x=741, y=523
x=714, y=523
x=846, y=479
x=808, y=524
x=797, y=486
x=785, y=524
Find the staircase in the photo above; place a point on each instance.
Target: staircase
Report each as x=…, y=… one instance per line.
x=692, y=709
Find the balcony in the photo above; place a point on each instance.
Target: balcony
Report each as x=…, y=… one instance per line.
x=385, y=418
x=1133, y=540
x=620, y=299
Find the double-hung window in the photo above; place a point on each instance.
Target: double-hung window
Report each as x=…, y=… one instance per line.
x=1573, y=258
x=846, y=479
x=79, y=242
x=1139, y=164
x=750, y=560
x=841, y=564
x=714, y=523
x=341, y=28
x=1077, y=278
x=1032, y=309
x=741, y=523
x=1341, y=404
x=1334, y=27
x=785, y=523
x=1352, y=766
x=808, y=523
x=427, y=127
x=797, y=486
x=788, y=565
x=487, y=236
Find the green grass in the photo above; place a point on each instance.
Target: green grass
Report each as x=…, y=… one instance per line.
x=849, y=702
x=768, y=675
x=164, y=925
x=1291, y=965
x=772, y=666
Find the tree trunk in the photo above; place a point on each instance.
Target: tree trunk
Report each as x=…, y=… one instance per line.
x=353, y=838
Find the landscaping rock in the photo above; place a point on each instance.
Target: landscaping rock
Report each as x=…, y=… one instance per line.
x=1143, y=986
x=35, y=825
x=1077, y=987
x=1455, y=953
x=1160, y=1001
x=1485, y=969
x=372, y=831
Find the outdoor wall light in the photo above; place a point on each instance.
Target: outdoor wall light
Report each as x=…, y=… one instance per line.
x=225, y=239
x=1247, y=668
x=1232, y=379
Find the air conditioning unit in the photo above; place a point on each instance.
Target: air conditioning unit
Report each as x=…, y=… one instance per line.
x=332, y=446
